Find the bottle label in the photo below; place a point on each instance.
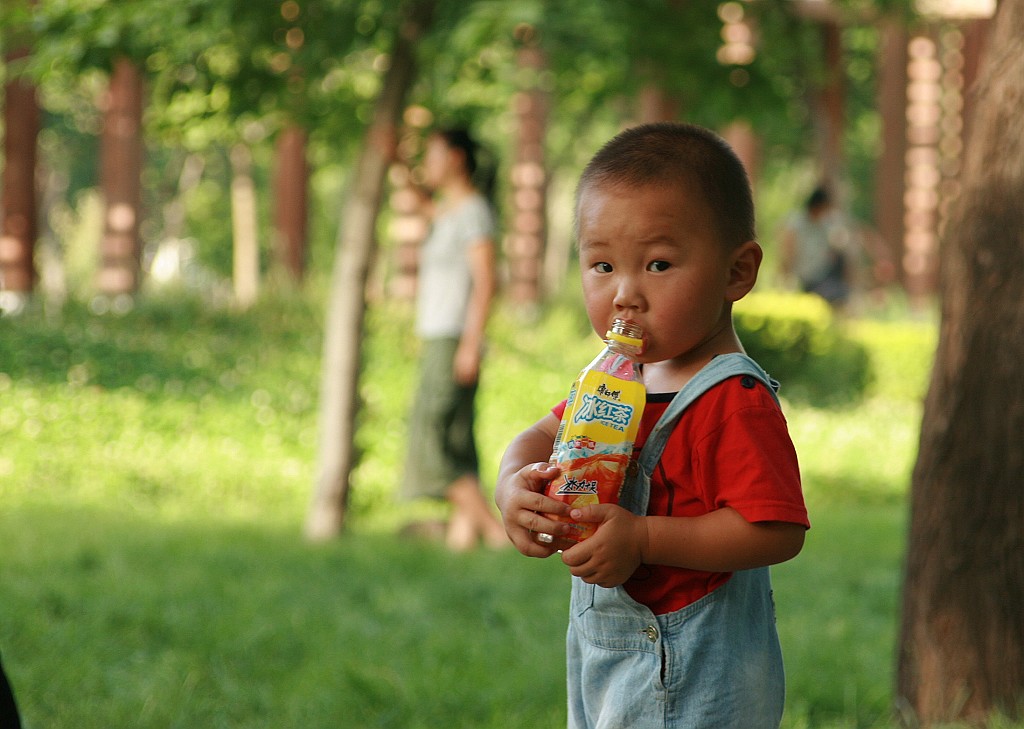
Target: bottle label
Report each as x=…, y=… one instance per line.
x=572, y=486
x=595, y=408
x=602, y=418
x=595, y=443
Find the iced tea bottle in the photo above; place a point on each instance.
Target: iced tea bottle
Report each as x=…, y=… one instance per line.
x=599, y=425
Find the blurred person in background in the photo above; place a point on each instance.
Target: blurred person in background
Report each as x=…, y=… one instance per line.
x=817, y=249
x=457, y=285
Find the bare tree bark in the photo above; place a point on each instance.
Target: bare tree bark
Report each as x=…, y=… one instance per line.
x=830, y=114
x=291, y=201
x=746, y=143
x=408, y=229
x=120, y=179
x=976, y=32
x=890, y=168
x=527, y=239
x=347, y=305
x=654, y=104
x=18, y=234
x=245, y=244
x=961, y=651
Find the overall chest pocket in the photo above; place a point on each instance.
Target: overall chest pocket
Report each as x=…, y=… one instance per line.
x=612, y=620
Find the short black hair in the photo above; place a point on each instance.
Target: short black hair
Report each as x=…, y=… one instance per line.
x=459, y=138
x=481, y=164
x=818, y=198
x=672, y=153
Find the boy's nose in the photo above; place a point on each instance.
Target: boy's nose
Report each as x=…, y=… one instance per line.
x=627, y=295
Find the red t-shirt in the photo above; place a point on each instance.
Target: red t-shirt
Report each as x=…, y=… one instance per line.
x=731, y=447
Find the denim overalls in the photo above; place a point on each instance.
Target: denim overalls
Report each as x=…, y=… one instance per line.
x=713, y=664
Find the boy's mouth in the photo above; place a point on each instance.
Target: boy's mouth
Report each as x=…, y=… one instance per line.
x=643, y=337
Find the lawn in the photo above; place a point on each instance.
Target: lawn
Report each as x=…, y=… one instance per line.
x=154, y=474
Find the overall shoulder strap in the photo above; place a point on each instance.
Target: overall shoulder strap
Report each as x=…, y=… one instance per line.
x=635, y=495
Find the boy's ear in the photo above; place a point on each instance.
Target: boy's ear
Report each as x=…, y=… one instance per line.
x=744, y=263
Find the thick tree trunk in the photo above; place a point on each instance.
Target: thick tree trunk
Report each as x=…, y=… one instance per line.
x=347, y=305
x=18, y=234
x=961, y=652
x=291, y=201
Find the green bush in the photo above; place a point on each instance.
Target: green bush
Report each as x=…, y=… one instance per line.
x=799, y=341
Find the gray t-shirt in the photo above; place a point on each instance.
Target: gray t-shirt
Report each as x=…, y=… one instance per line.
x=444, y=276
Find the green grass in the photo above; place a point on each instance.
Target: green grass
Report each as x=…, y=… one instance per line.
x=154, y=474
x=139, y=623
x=837, y=605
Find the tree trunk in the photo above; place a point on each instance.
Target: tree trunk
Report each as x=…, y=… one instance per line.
x=830, y=114
x=408, y=229
x=18, y=234
x=891, y=166
x=654, y=104
x=120, y=179
x=347, y=305
x=245, y=244
x=961, y=652
x=746, y=143
x=976, y=31
x=526, y=241
x=291, y=202
x=920, y=259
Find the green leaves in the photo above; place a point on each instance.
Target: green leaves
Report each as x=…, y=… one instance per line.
x=320, y=62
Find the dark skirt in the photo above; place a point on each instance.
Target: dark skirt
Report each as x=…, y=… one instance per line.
x=441, y=446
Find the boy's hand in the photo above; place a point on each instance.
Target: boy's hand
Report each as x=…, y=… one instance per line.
x=524, y=509
x=613, y=553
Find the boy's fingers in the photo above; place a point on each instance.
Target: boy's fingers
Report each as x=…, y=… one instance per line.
x=538, y=502
x=527, y=543
x=593, y=513
x=540, y=474
x=579, y=554
x=539, y=524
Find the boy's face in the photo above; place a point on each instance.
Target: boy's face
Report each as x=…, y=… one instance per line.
x=651, y=255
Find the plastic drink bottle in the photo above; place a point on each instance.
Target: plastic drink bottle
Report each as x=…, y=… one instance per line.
x=600, y=422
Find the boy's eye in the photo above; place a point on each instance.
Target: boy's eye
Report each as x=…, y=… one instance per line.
x=603, y=267
x=658, y=266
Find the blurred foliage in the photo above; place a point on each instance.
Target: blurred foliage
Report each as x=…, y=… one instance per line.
x=799, y=341
x=219, y=72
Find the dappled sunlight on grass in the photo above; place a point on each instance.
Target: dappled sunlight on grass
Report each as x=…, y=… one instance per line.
x=155, y=472
x=867, y=451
